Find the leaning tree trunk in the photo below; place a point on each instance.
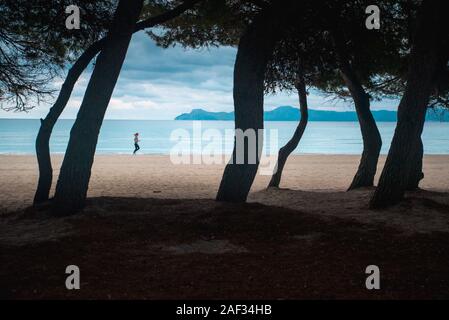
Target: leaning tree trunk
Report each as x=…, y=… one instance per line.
x=291, y=145
x=412, y=109
x=255, y=48
x=47, y=124
x=73, y=182
x=372, y=141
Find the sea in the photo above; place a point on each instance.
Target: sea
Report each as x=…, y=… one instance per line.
x=164, y=136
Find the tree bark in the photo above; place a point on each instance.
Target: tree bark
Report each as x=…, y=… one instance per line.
x=412, y=108
x=255, y=48
x=291, y=145
x=416, y=169
x=47, y=124
x=372, y=141
x=72, y=186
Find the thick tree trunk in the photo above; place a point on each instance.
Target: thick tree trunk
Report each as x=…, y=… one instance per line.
x=255, y=47
x=372, y=141
x=416, y=168
x=47, y=124
x=71, y=189
x=291, y=145
x=406, y=142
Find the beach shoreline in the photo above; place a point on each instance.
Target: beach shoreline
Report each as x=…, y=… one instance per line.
x=155, y=176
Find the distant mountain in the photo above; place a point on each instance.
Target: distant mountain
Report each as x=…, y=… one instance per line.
x=200, y=114
x=287, y=113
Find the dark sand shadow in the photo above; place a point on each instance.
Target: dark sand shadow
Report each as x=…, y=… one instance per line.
x=420, y=212
x=177, y=249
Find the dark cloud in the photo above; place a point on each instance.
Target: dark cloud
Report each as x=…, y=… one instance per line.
x=158, y=83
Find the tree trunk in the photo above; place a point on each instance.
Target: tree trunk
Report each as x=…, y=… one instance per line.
x=416, y=169
x=255, y=48
x=291, y=145
x=372, y=141
x=71, y=189
x=406, y=142
x=47, y=124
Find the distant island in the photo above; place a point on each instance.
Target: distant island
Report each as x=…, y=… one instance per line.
x=288, y=113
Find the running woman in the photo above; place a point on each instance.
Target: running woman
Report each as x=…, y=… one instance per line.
x=136, y=143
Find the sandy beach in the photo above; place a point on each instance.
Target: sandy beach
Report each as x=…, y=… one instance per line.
x=146, y=176
x=151, y=230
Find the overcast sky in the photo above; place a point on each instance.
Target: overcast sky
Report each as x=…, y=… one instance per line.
x=160, y=84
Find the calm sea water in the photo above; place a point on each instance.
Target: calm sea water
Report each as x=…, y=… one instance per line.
x=116, y=137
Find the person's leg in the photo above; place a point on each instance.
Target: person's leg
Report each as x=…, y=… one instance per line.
x=136, y=147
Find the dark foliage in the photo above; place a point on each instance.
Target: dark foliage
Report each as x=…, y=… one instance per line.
x=35, y=45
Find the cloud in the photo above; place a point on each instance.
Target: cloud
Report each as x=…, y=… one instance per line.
x=158, y=83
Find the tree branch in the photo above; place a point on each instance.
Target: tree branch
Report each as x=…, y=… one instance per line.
x=152, y=21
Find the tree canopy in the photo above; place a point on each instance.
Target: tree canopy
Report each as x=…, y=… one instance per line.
x=380, y=57
x=35, y=44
